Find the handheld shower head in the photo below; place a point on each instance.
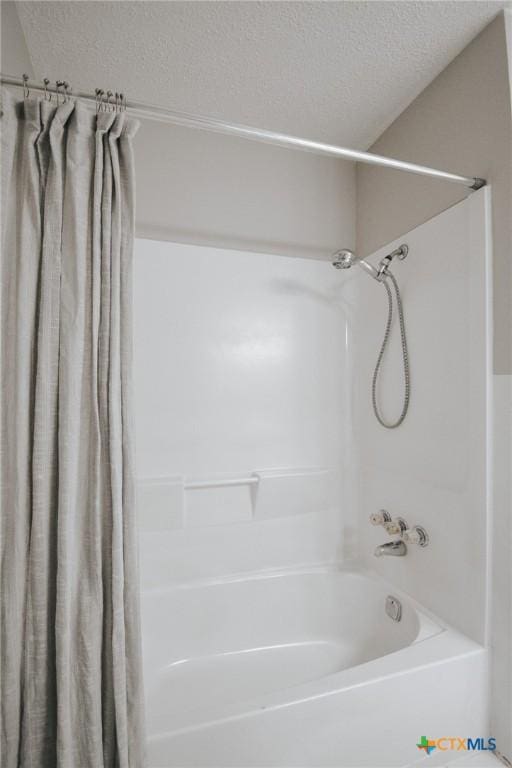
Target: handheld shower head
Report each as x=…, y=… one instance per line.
x=345, y=258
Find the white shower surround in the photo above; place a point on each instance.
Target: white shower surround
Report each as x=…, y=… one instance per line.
x=370, y=711
x=434, y=471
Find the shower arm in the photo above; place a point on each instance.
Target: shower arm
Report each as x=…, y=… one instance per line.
x=369, y=268
x=164, y=115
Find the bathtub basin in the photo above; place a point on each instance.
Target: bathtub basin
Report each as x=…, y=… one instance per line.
x=300, y=668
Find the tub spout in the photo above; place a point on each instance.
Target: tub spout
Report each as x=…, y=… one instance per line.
x=393, y=548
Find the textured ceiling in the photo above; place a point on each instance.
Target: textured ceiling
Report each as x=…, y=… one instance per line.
x=333, y=71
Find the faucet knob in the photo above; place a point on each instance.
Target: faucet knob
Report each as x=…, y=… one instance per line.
x=380, y=518
x=396, y=526
x=416, y=535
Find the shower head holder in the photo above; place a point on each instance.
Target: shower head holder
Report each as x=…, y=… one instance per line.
x=399, y=253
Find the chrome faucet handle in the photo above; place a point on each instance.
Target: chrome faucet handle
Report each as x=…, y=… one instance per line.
x=416, y=535
x=396, y=526
x=380, y=518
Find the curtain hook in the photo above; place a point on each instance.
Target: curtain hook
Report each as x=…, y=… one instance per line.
x=117, y=102
x=47, y=96
x=67, y=90
x=26, y=91
x=109, y=105
x=59, y=84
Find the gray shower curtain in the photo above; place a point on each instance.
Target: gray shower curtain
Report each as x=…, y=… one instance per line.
x=71, y=688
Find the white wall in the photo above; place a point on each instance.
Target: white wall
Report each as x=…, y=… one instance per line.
x=240, y=367
x=207, y=189
x=502, y=585
x=432, y=469
x=15, y=55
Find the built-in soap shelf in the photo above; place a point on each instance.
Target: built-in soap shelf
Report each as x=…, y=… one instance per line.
x=174, y=502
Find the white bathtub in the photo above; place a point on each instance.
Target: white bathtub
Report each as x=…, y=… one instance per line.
x=302, y=668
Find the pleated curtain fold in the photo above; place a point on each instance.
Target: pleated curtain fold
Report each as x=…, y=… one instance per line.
x=71, y=683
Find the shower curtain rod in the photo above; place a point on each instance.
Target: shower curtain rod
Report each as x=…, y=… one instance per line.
x=164, y=115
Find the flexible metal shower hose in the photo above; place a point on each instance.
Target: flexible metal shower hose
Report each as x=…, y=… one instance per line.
x=407, y=382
